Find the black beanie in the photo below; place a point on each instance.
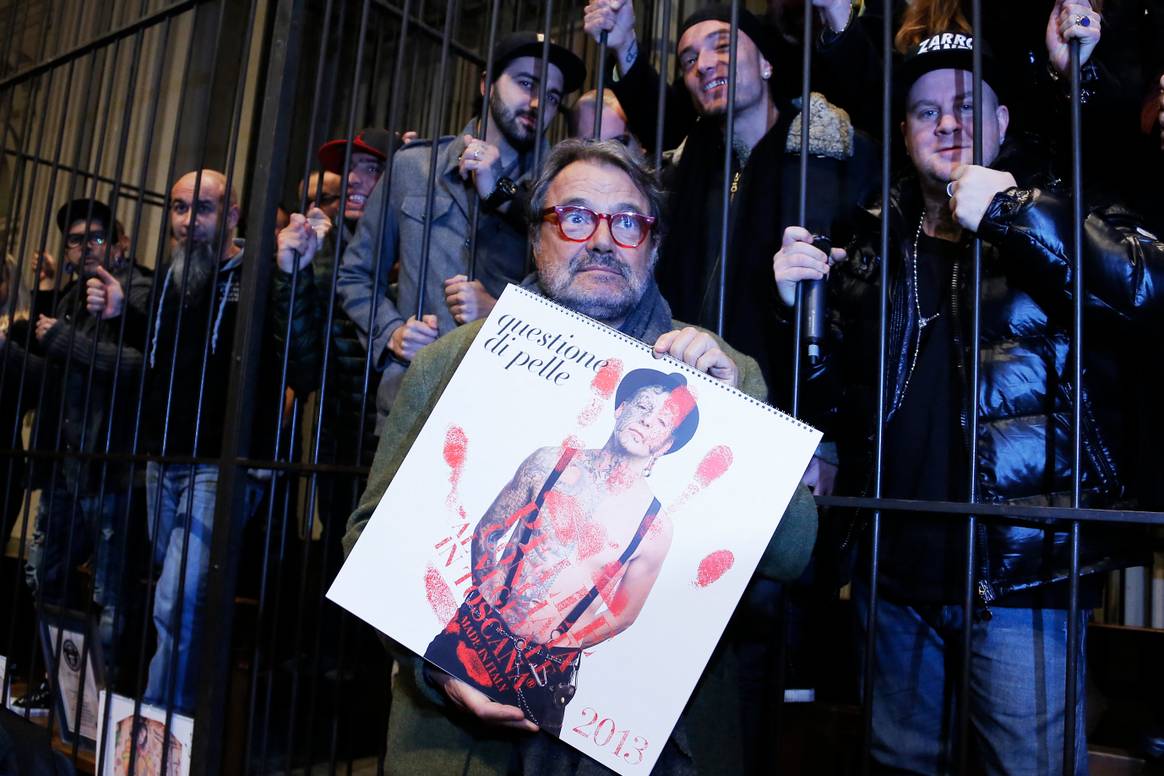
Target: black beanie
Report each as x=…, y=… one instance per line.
x=764, y=39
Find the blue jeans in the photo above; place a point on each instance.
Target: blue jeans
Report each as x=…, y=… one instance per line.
x=53, y=552
x=181, y=501
x=1018, y=671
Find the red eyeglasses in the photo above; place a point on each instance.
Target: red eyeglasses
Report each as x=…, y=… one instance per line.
x=578, y=224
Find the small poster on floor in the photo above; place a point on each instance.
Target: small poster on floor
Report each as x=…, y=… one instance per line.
x=66, y=643
x=143, y=740
x=574, y=525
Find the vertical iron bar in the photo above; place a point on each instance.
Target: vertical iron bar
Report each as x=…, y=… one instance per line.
x=269, y=166
x=728, y=152
x=972, y=529
x=543, y=75
x=482, y=132
x=661, y=106
x=600, y=86
x=386, y=182
x=430, y=193
x=802, y=200
x=882, y=365
x=321, y=393
x=1073, y=625
x=309, y=153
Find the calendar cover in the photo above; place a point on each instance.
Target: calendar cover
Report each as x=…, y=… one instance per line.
x=574, y=525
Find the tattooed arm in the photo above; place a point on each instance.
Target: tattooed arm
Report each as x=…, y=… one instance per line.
x=511, y=505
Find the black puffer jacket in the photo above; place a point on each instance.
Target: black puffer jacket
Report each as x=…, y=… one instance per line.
x=1024, y=399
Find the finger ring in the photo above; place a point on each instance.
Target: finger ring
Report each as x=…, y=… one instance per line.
x=950, y=189
x=1083, y=21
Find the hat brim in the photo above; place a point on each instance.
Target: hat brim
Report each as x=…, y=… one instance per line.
x=573, y=69
x=907, y=73
x=331, y=154
x=84, y=209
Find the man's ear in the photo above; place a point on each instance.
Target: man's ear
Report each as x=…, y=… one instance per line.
x=1002, y=114
x=765, y=68
x=232, y=217
x=481, y=86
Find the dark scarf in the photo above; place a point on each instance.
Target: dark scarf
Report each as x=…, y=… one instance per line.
x=691, y=247
x=647, y=321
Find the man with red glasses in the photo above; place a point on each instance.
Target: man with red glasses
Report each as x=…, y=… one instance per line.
x=595, y=233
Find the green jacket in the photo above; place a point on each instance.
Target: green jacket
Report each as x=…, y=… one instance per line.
x=426, y=735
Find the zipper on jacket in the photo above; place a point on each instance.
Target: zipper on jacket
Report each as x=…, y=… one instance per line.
x=984, y=589
x=985, y=598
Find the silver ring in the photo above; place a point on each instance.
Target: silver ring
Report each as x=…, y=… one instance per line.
x=1083, y=21
x=476, y=154
x=950, y=189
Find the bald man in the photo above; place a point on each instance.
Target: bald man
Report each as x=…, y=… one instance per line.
x=188, y=363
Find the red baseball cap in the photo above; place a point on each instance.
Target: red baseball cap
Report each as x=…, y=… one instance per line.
x=369, y=141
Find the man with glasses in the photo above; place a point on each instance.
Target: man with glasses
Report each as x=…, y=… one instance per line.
x=486, y=173
x=84, y=509
x=595, y=231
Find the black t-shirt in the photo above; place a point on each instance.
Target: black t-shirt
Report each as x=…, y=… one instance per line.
x=924, y=555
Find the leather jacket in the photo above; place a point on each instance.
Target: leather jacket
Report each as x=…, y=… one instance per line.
x=1024, y=397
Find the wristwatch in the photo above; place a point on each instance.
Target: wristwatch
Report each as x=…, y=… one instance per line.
x=504, y=191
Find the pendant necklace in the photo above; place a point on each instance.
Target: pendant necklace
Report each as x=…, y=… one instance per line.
x=922, y=320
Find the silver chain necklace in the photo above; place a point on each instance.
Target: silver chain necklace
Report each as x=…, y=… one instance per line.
x=922, y=320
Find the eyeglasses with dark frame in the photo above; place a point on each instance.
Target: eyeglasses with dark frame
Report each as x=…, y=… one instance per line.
x=94, y=238
x=575, y=223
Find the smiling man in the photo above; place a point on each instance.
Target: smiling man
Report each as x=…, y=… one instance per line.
x=489, y=171
x=764, y=178
x=369, y=154
x=595, y=231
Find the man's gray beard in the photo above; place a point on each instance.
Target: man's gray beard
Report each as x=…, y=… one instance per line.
x=600, y=307
x=191, y=278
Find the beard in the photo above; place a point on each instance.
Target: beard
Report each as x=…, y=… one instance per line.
x=191, y=273
x=518, y=136
x=601, y=305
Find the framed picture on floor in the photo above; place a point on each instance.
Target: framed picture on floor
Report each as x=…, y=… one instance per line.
x=143, y=740
x=68, y=640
